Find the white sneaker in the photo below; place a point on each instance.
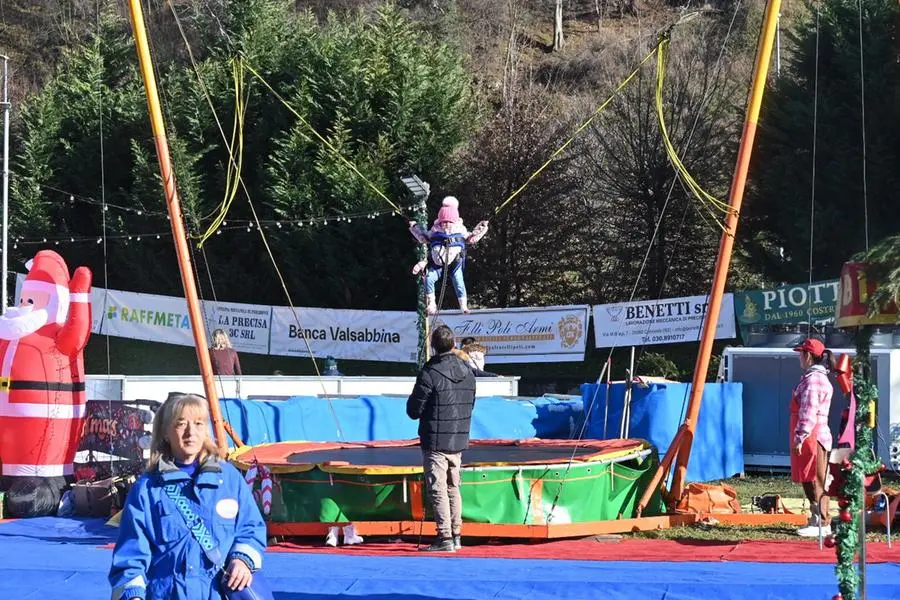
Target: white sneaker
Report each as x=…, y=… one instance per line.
x=350, y=536
x=332, y=538
x=813, y=531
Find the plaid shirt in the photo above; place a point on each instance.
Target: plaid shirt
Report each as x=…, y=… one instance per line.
x=814, y=395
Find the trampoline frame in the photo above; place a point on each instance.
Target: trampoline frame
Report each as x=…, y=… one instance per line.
x=538, y=532
x=244, y=458
x=336, y=466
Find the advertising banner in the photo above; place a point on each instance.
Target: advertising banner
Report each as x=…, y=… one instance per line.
x=388, y=336
x=787, y=304
x=512, y=335
x=856, y=291
x=667, y=321
x=247, y=325
x=116, y=429
x=147, y=317
x=524, y=335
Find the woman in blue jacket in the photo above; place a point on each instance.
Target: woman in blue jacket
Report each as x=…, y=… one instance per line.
x=156, y=555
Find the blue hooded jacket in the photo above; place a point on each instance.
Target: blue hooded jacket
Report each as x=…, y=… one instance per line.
x=157, y=557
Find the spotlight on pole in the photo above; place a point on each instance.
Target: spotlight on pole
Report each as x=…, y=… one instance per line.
x=418, y=188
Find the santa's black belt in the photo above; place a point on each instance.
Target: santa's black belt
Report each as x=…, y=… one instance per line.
x=41, y=386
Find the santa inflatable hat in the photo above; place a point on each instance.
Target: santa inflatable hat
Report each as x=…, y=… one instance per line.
x=48, y=273
x=449, y=212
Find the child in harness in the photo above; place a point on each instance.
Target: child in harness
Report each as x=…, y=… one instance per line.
x=446, y=241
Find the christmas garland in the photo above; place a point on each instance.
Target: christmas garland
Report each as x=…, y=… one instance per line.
x=862, y=462
x=421, y=216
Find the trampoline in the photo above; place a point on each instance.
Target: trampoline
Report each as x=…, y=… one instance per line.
x=509, y=487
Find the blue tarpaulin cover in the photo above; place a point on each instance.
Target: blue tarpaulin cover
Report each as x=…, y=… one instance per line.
x=37, y=563
x=658, y=410
x=656, y=413
x=371, y=418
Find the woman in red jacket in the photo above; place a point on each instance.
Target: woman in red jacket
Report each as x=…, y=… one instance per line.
x=224, y=358
x=810, y=436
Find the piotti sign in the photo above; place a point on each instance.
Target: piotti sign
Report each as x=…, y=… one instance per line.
x=787, y=304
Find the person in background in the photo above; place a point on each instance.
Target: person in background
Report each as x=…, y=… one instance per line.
x=442, y=400
x=224, y=358
x=475, y=351
x=156, y=555
x=331, y=368
x=472, y=353
x=810, y=435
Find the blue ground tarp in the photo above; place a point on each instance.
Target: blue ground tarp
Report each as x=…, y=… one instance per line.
x=35, y=568
x=73, y=530
x=658, y=410
x=372, y=418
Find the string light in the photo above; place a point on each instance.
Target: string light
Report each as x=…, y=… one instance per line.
x=278, y=224
x=73, y=198
x=283, y=226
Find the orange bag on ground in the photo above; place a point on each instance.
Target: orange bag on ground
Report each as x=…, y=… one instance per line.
x=706, y=498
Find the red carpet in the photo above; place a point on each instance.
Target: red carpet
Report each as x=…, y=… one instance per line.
x=625, y=549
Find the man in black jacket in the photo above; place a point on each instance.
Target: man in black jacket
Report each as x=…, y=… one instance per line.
x=442, y=400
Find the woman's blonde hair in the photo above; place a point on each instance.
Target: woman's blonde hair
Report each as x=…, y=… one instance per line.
x=168, y=413
x=220, y=334
x=475, y=347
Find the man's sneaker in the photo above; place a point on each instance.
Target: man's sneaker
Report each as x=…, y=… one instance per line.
x=440, y=545
x=457, y=542
x=812, y=529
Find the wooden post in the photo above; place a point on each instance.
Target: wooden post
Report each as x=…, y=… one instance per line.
x=726, y=244
x=173, y=203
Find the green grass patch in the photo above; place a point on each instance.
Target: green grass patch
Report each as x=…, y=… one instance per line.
x=747, y=487
x=759, y=485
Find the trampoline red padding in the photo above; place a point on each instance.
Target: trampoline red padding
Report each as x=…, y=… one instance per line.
x=405, y=456
x=503, y=482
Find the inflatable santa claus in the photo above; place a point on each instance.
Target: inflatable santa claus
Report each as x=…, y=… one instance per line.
x=42, y=387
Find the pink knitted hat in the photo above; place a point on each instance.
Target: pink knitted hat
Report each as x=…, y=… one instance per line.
x=449, y=212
